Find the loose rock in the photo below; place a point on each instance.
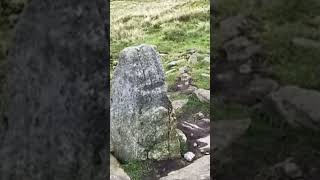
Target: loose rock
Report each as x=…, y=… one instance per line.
x=57, y=126
x=198, y=170
x=178, y=104
x=203, y=95
x=297, y=106
x=189, y=156
x=240, y=49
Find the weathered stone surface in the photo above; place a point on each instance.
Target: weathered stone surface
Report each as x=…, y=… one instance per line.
x=178, y=104
x=193, y=59
x=240, y=49
x=286, y=170
x=205, y=147
x=306, y=43
x=196, y=130
x=141, y=122
x=189, y=156
x=299, y=107
x=116, y=172
x=203, y=95
x=259, y=87
x=230, y=27
x=184, y=81
x=224, y=132
x=198, y=170
x=56, y=119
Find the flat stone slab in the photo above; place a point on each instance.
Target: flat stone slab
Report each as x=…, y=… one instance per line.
x=224, y=132
x=116, y=172
x=198, y=170
x=297, y=106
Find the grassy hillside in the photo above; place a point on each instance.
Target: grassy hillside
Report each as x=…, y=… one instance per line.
x=174, y=26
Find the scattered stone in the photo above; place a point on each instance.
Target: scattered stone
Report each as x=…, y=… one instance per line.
x=306, y=43
x=198, y=170
x=184, y=81
x=141, y=118
x=191, y=51
x=299, y=107
x=116, y=172
x=163, y=54
x=240, y=49
x=205, y=75
x=224, y=132
x=175, y=63
x=203, y=95
x=206, y=141
x=183, y=70
x=206, y=120
x=185, y=77
x=261, y=87
x=182, y=136
x=198, y=116
x=189, y=156
x=292, y=170
x=194, y=131
x=286, y=170
x=230, y=27
x=190, y=90
x=193, y=59
x=226, y=77
x=178, y=104
x=195, y=144
x=172, y=64
x=245, y=69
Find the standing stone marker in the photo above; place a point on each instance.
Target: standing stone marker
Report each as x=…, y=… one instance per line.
x=142, y=125
x=57, y=112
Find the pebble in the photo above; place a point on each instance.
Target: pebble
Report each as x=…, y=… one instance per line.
x=189, y=156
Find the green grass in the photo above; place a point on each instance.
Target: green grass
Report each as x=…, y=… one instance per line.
x=192, y=107
x=230, y=111
x=134, y=169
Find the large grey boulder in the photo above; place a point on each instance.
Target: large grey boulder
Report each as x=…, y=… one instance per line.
x=142, y=125
x=56, y=117
x=297, y=106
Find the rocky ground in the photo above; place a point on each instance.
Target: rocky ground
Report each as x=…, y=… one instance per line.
x=266, y=88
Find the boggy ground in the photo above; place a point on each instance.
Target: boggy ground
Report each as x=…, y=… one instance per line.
x=279, y=42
